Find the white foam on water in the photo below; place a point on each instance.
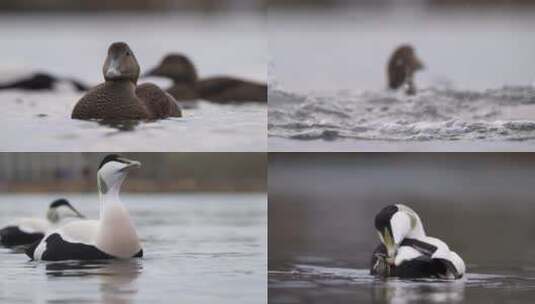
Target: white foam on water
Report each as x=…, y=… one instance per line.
x=505, y=114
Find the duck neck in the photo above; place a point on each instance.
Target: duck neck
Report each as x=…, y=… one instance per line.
x=417, y=232
x=127, y=86
x=109, y=196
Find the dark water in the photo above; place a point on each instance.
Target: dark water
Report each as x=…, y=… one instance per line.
x=205, y=248
x=321, y=233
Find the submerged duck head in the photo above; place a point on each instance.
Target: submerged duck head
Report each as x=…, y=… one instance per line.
x=61, y=208
x=177, y=67
x=394, y=223
x=120, y=64
x=112, y=172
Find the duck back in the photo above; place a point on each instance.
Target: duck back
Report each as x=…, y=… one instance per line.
x=159, y=103
x=183, y=91
x=227, y=89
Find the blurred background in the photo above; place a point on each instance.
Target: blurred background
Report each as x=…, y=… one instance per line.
x=160, y=172
x=386, y=3
x=219, y=5
x=468, y=44
x=70, y=39
x=198, y=215
x=322, y=208
x=125, y=5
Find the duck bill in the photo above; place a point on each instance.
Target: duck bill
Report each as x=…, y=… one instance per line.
x=390, y=245
x=418, y=64
x=112, y=69
x=129, y=164
x=78, y=214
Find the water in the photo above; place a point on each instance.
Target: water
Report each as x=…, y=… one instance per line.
x=198, y=248
x=76, y=46
x=476, y=93
x=321, y=232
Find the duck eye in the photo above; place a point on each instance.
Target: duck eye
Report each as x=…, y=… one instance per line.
x=127, y=53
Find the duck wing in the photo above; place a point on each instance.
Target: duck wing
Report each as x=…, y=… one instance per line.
x=159, y=103
x=450, y=263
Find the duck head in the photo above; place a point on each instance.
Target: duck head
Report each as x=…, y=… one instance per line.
x=177, y=67
x=402, y=66
x=394, y=223
x=112, y=172
x=61, y=208
x=406, y=55
x=120, y=64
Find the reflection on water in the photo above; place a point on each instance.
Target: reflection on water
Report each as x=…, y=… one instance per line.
x=117, y=277
x=311, y=284
x=198, y=248
x=340, y=280
x=120, y=125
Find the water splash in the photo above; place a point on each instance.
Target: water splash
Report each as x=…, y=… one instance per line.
x=506, y=114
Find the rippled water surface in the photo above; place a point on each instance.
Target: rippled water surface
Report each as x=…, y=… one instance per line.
x=197, y=249
x=317, y=284
x=76, y=46
x=476, y=92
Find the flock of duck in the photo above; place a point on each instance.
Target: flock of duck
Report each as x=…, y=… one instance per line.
x=66, y=234
x=120, y=97
x=405, y=250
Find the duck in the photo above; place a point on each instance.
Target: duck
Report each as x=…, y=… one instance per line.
x=119, y=97
x=188, y=87
x=112, y=236
x=41, y=81
x=25, y=231
x=401, y=67
x=407, y=252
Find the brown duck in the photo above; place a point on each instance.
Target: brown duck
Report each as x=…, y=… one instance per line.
x=401, y=68
x=187, y=86
x=118, y=98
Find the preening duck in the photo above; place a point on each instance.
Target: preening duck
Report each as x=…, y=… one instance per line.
x=113, y=235
x=119, y=97
x=407, y=252
x=26, y=231
x=402, y=66
x=222, y=89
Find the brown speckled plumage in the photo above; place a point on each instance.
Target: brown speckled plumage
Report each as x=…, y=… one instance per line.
x=187, y=86
x=227, y=89
x=159, y=103
x=402, y=66
x=119, y=98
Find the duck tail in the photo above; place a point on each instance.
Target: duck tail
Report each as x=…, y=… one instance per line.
x=31, y=249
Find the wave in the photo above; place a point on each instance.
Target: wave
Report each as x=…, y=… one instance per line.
x=507, y=113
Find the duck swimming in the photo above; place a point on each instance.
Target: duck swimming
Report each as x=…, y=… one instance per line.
x=25, y=231
x=119, y=97
x=42, y=82
x=112, y=236
x=402, y=66
x=187, y=86
x=405, y=250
